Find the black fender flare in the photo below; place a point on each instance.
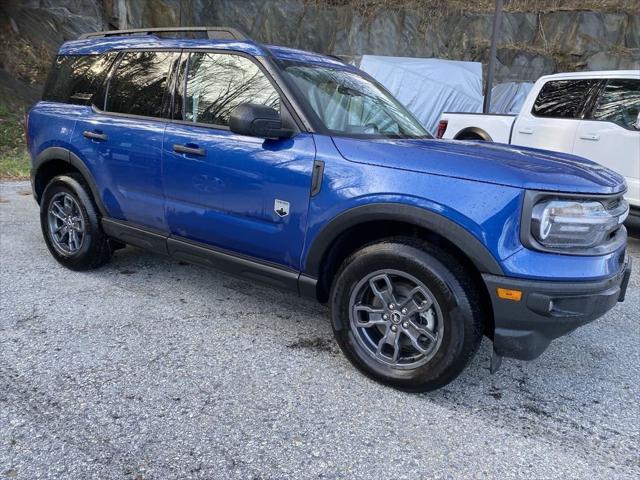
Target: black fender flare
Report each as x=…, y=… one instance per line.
x=483, y=260
x=61, y=153
x=474, y=131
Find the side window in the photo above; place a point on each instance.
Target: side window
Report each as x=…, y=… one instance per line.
x=563, y=98
x=138, y=85
x=77, y=79
x=619, y=102
x=217, y=83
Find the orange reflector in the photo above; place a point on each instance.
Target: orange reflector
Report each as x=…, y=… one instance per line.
x=508, y=294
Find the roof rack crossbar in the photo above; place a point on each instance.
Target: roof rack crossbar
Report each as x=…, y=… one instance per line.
x=219, y=33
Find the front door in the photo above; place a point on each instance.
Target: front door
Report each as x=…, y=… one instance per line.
x=242, y=194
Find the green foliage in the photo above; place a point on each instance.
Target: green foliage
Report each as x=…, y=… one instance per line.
x=14, y=160
x=14, y=166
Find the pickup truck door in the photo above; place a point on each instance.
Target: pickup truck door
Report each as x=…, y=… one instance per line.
x=609, y=134
x=551, y=122
x=237, y=193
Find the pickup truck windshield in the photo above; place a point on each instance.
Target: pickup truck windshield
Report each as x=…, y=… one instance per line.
x=350, y=104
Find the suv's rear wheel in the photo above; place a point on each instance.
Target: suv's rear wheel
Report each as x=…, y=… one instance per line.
x=71, y=226
x=406, y=314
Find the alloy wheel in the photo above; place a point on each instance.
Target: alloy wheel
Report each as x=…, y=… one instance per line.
x=396, y=319
x=66, y=223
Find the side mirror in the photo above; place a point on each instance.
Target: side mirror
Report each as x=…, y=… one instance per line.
x=257, y=121
x=637, y=124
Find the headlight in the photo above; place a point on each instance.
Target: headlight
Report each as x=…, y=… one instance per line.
x=569, y=224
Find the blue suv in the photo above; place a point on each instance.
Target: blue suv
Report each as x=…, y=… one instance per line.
x=302, y=172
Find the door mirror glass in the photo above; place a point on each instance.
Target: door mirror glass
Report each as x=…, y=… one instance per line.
x=258, y=121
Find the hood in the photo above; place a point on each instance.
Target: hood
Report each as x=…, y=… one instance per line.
x=495, y=163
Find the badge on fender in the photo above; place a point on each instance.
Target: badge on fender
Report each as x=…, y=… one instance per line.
x=281, y=207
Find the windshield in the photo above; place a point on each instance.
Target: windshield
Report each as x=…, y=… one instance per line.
x=350, y=104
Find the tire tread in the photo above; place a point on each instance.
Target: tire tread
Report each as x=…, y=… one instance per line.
x=464, y=292
x=99, y=251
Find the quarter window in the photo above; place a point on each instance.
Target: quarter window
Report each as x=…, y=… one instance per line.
x=564, y=98
x=619, y=102
x=77, y=79
x=139, y=84
x=217, y=83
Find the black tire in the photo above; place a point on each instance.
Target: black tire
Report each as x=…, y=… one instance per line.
x=448, y=283
x=472, y=136
x=94, y=250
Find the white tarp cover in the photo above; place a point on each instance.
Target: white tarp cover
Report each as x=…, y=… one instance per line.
x=429, y=86
x=508, y=97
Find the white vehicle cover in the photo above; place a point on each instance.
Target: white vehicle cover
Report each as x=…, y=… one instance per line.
x=429, y=86
x=508, y=97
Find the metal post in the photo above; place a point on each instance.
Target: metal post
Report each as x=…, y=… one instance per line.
x=497, y=15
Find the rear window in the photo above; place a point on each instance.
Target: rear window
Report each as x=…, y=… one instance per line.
x=139, y=84
x=77, y=79
x=619, y=102
x=564, y=98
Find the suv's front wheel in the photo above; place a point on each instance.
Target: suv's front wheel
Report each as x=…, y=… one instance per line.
x=405, y=313
x=71, y=225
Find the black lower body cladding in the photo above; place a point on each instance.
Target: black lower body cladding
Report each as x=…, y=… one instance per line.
x=548, y=310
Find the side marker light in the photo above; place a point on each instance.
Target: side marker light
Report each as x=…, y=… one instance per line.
x=508, y=294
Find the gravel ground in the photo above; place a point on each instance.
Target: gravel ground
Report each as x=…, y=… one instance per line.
x=151, y=369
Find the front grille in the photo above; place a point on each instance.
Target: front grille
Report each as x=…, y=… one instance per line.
x=617, y=207
x=613, y=203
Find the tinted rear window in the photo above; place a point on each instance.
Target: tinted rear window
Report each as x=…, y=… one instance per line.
x=564, y=98
x=77, y=79
x=619, y=102
x=139, y=83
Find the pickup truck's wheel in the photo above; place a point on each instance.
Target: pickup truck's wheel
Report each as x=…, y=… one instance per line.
x=471, y=136
x=404, y=318
x=71, y=226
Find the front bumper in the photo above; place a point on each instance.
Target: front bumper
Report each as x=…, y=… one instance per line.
x=548, y=310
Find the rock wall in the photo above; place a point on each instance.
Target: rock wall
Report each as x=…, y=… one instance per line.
x=534, y=41
x=531, y=44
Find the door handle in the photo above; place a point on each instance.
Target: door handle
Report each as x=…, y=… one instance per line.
x=195, y=150
x=590, y=136
x=526, y=130
x=94, y=135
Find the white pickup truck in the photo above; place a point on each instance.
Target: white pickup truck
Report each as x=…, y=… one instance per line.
x=592, y=114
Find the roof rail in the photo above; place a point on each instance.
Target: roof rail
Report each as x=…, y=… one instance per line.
x=219, y=33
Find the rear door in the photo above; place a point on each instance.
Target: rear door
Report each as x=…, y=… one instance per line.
x=242, y=194
x=552, y=121
x=610, y=135
x=121, y=141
